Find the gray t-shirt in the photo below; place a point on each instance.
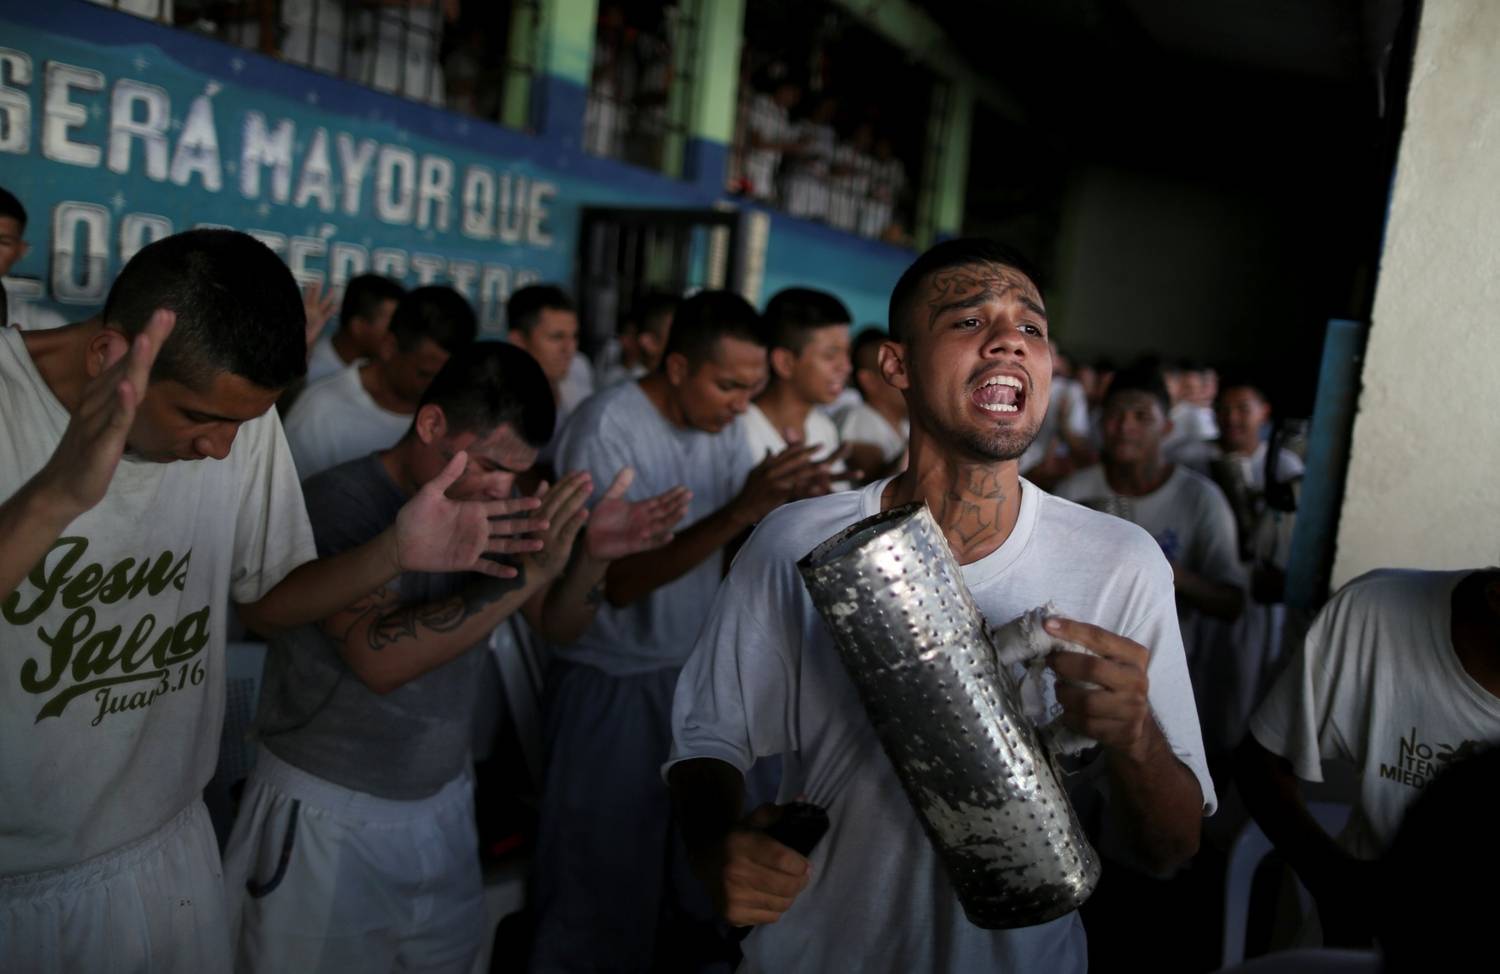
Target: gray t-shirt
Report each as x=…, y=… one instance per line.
x=316, y=714
x=620, y=427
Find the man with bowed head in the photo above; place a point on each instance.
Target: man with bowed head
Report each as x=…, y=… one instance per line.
x=146, y=483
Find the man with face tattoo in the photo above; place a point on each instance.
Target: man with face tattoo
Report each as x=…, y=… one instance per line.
x=968, y=350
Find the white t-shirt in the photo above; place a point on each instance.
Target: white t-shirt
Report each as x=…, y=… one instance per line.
x=1378, y=685
x=575, y=387
x=22, y=297
x=620, y=427
x=112, y=650
x=324, y=360
x=1194, y=428
x=335, y=420
x=765, y=678
x=762, y=438
x=1188, y=516
x=768, y=121
x=861, y=423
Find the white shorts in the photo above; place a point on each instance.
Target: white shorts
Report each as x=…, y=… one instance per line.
x=323, y=878
x=156, y=904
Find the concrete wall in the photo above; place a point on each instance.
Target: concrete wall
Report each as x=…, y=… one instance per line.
x=1424, y=477
x=1161, y=265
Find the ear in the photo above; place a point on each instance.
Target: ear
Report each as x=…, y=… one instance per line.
x=107, y=347
x=516, y=338
x=22, y=249
x=430, y=423
x=783, y=363
x=678, y=369
x=893, y=365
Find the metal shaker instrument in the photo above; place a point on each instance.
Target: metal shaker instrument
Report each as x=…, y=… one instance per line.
x=985, y=786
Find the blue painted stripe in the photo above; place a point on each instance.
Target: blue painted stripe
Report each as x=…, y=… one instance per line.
x=1316, y=534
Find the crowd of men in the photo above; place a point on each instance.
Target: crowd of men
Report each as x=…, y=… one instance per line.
x=376, y=497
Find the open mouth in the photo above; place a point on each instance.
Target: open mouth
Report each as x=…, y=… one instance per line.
x=1001, y=394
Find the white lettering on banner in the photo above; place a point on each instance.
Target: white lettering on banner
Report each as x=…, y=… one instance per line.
x=70, y=219
x=536, y=211
x=198, y=147
x=434, y=187
x=461, y=275
x=346, y=262
x=428, y=267
x=317, y=174
x=298, y=251
x=124, y=127
x=139, y=229
x=265, y=148
x=395, y=194
x=15, y=105
x=390, y=262
x=354, y=162
x=479, y=203
x=60, y=114
x=514, y=207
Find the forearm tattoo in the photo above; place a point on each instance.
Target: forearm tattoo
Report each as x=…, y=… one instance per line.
x=391, y=625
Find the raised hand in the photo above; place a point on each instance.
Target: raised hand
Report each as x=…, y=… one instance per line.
x=78, y=474
x=318, y=305
x=435, y=533
x=618, y=527
x=773, y=482
x=563, y=508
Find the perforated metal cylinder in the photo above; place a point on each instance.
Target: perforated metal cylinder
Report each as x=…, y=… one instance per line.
x=986, y=788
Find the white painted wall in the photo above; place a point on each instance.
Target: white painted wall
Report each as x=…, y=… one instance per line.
x=1424, y=477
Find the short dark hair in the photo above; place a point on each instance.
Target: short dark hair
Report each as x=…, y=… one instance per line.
x=959, y=252
x=794, y=313
x=525, y=307
x=238, y=308
x=705, y=318
x=654, y=306
x=363, y=296
x=871, y=336
x=11, y=207
x=437, y=313
x=1143, y=376
x=491, y=384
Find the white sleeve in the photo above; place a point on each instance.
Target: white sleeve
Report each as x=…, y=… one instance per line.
x=736, y=699
x=272, y=535
x=1303, y=718
x=1171, y=689
x=1215, y=552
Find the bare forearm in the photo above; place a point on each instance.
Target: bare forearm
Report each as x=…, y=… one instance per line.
x=1274, y=797
x=631, y=579
x=388, y=646
x=316, y=590
x=570, y=603
x=1213, y=598
x=709, y=796
x=1159, y=802
x=30, y=522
